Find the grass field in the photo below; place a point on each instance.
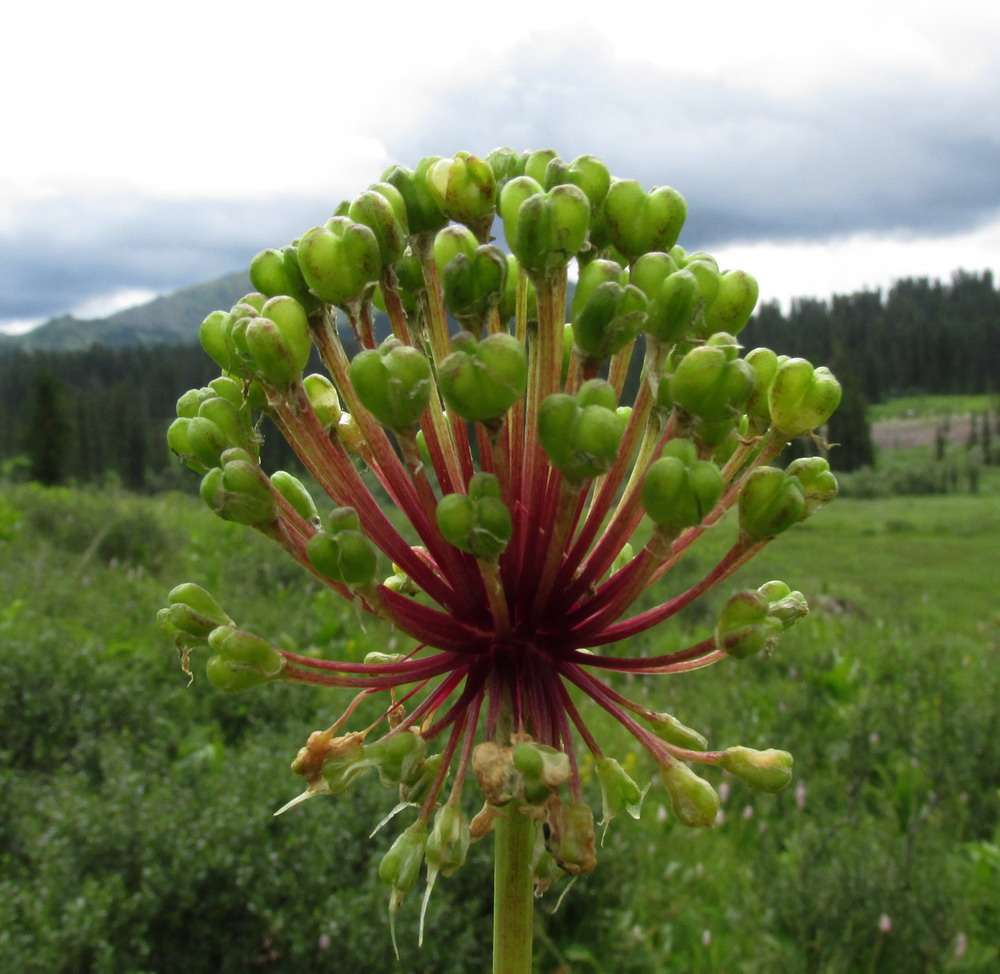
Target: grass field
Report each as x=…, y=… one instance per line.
x=135, y=813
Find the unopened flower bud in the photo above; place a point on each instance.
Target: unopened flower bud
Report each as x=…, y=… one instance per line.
x=770, y=502
x=769, y=770
x=694, y=801
x=393, y=383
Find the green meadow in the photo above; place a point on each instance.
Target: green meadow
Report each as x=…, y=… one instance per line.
x=136, y=827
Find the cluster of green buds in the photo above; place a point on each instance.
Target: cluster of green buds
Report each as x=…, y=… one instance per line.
x=533, y=506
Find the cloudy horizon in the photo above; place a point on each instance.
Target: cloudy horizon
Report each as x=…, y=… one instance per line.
x=823, y=154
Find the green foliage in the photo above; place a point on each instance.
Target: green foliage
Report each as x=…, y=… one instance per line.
x=135, y=831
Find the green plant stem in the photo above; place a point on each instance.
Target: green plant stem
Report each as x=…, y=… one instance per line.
x=513, y=896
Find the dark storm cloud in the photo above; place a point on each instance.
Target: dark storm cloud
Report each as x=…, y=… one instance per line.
x=58, y=252
x=914, y=156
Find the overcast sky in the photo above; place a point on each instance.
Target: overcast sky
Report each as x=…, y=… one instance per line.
x=821, y=147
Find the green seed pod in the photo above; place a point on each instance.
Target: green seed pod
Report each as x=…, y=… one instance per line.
x=506, y=165
x=194, y=610
x=397, y=757
x=206, y=441
x=508, y=302
x=177, y=440
x=415, y=790
x=733, y=303
x=535, y=164
x=230, y=420
x=279, y=341
x=711, y=383
x=639, y=222
x=213, y=335
x=400, y=866
x=693, y=799
x=324, y=400
x=581, y=435
x=481, y=526
x=672, y=310
x=770, y=502
x=246, y=649
x=765, y=366
x=802, y=398
x=423, y=215
x=679, y=489
x=785, y=607
x=474, y=285
x=668, y=728
x=465, y=190
x=240, y=492
x=744, y=628
x=769, y=770
x=225, y=387
x=393, y=383
x=448, y=842
x=569, y=836
x=294, y=491
x=375, y=210
x=342, y=519
x=339, y=260
x=618, y=791
x=452, y=241
x=589, y=174
x=277, y=272
x=347, y=557
x=481, y=380
x=819, y=485
x=544, y=230
x=187, y=405
x=610, y=317
x=232, y=677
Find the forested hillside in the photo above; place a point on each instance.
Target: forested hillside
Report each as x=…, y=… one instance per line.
x=82, y=415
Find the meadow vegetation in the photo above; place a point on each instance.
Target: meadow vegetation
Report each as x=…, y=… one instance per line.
x=135, y=812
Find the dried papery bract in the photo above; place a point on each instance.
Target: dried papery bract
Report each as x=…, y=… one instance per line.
x=539, y=505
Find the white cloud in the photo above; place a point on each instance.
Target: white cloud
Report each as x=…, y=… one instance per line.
x=820, y=268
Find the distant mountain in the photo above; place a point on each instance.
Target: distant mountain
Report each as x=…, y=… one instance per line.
x=169, y=320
